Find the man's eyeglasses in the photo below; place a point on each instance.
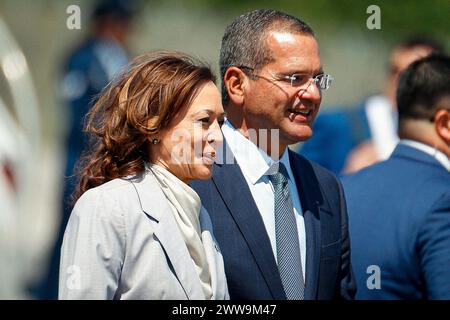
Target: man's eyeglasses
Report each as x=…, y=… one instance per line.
x=322, y=81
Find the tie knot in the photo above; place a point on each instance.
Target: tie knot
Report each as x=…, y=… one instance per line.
x=279, y=177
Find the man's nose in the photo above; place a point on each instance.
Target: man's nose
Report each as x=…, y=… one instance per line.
x=311, y=91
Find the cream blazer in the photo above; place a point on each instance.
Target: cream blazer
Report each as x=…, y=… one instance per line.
x=122, y=242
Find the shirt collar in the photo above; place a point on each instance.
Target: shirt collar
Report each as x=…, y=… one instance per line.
x=435, y=153
x=254, y=162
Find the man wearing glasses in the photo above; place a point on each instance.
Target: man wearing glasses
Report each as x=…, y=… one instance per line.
x=399, y=209
x=280, y=220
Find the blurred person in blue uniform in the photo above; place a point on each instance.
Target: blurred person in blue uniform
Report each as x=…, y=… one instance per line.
x=91, y=66
x=349, y=140
x=399, y=209
x=88, y=68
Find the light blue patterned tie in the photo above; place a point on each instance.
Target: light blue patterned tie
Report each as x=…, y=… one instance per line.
x=288, y=248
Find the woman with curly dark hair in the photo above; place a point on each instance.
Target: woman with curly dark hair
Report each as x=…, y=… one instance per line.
x=137, y=230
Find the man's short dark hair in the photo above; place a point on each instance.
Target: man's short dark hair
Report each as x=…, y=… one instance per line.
x=421, y=41
x=118, y=9
x=244, y=41
x=422, y=86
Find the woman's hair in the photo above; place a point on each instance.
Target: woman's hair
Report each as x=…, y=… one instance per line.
x=140, y=101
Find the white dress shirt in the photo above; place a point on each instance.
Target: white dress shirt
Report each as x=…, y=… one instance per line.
x=438, y=155
x=255, y=165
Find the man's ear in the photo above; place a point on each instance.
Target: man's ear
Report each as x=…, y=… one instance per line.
x=442, y=124
x=234, y=81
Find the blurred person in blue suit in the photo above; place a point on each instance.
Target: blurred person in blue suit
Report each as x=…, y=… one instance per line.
x=87, y=70
x=399, y=209
x=91, y=66
x=345, y=141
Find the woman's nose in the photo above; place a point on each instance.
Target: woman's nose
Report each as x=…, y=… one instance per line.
x=215, y=135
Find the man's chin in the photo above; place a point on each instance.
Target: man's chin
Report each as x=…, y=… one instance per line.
x=301, y=135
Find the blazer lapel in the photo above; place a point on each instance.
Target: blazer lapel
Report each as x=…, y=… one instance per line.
x=214, y=258
x=310, y=197
x=156, y=207
x=242, y=207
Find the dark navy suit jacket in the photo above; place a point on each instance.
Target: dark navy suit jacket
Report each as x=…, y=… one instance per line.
x=250, y=266
x=399, y=217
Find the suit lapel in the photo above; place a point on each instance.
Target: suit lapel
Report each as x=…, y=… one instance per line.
x=242, y=207
x=310, y=197
x=156, y=207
